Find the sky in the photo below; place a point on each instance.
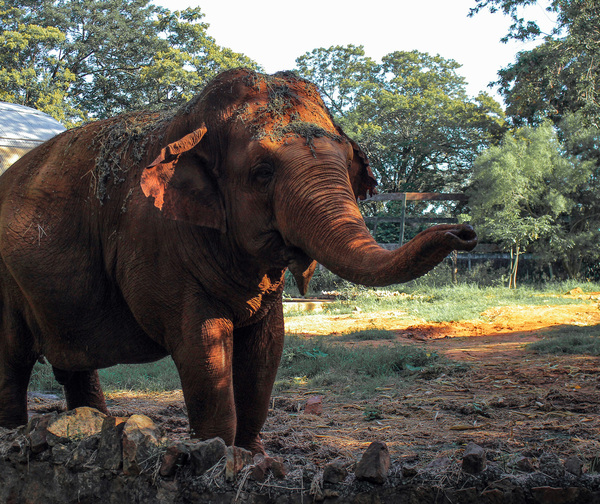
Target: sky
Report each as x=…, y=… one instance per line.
x=274, y=32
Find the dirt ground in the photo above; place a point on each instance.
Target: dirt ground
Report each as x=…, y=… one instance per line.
x=509, y=400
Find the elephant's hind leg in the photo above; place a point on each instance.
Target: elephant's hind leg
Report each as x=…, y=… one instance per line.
x=82, y=388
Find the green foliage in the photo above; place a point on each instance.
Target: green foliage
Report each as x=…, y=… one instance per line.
x=410, y=113
x=575, y=241
x=87, y=59
x=569, y=340
x=525, y=191
x=560, y=75
x=30, y=70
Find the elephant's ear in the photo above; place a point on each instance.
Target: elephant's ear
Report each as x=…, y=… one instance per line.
x=182, y=188
x=361, y=177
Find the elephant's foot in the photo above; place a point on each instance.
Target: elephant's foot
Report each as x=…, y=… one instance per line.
x=253, y=444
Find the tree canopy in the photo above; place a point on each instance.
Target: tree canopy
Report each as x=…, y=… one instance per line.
x=410, y=113
x=560, y=75
x=530, y=193
x=84, y=59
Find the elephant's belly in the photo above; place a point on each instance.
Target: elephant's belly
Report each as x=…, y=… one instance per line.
x=95, y=339
x=78, y=352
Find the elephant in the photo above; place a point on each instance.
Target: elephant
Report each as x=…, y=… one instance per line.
x=155, y=234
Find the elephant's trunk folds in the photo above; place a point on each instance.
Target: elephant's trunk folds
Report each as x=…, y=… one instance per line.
x=322, y=218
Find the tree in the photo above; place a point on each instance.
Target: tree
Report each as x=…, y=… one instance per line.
x=525, y=195
x=30, y=73
x=410, y=113
x=96, y=58
x=576, y=242
x=562, y=74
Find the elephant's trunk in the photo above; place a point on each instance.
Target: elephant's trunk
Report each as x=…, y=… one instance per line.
x=321, y=217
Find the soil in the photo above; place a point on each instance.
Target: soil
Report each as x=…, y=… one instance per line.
x=509, y=400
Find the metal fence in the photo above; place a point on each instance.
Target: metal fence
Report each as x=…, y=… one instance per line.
x=12, y=149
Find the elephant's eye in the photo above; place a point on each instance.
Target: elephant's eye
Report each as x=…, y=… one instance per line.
x=263, y=173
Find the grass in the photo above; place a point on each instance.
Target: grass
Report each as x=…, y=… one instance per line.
x=569, y=340
x=366, y=335
x=151, y=377
x=449, y=303
x=320, y=362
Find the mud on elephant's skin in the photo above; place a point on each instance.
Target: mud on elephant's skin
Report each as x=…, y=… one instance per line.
x=147, y=235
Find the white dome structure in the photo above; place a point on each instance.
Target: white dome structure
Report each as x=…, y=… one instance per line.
x=21, y=129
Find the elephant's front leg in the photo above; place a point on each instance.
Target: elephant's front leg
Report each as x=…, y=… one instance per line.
x=203, y=360
x=257, y=351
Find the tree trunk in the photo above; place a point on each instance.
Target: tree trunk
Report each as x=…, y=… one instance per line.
x=514, y=255
x=454, y=256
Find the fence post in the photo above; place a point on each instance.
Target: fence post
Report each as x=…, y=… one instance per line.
x=403, y=218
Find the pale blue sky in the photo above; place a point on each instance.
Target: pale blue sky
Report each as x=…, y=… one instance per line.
x=275, y=33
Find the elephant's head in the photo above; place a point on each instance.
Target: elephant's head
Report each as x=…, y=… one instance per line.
x=259, y=158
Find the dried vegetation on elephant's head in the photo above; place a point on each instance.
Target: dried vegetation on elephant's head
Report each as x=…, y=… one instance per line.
x=292, y=107
x=123, y=142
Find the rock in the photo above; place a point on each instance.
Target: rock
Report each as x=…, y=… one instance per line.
x=439, y=463
x=176, y=455
x=574, y=466
x=74, y=425
x=37, y=432
x=263, y=464
x=206, y=454
x=335, y=472
x=141, y=439
x=277, y=467
x=550, y=465
x=236, y=459
x=474, y=459
x=314, y=406
x=492, y=496
x=259, y=470
x=524, y=464
x=408, y=471
x=110, y=447
x=84, y=453
x=41, y=397
x=61, y=454
x=552, y=495
x=374, y=465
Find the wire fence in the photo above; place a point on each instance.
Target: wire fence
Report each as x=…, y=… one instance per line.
x=12, y=149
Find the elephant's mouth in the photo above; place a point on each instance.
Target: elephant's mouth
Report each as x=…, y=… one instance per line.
x=295, y=259
x=301, y=266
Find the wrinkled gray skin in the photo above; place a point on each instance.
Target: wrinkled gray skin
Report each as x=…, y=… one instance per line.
x=143, y=236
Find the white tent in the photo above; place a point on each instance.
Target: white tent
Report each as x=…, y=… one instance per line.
x=21, y=129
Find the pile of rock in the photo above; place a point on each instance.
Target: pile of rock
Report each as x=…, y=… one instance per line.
x=86, y=456
x=85, y=437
